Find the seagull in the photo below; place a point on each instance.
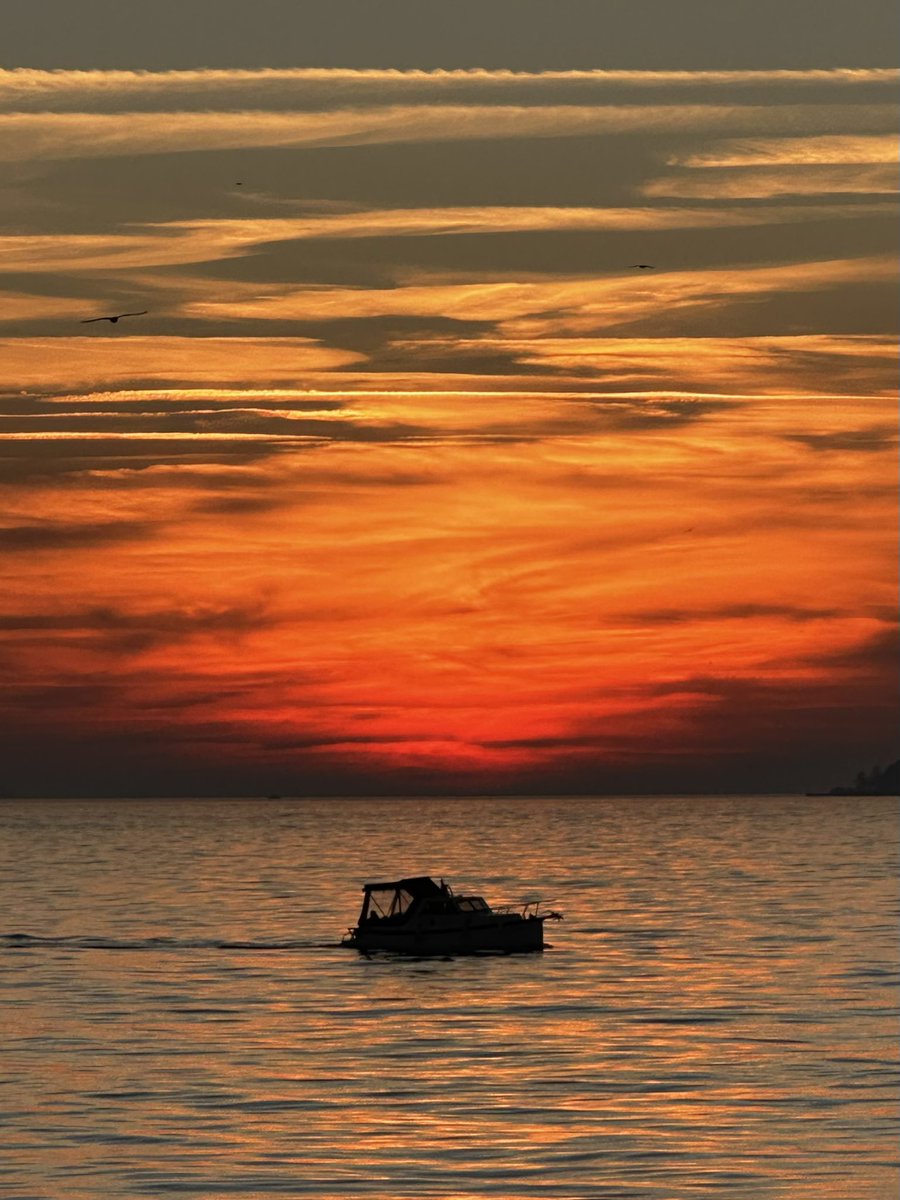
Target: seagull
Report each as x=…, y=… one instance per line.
x=118, y=316
x=641, y=266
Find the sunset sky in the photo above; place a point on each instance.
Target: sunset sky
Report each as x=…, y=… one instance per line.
x=410, y=480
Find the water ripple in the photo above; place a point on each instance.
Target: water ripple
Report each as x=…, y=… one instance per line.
x=716, y=1016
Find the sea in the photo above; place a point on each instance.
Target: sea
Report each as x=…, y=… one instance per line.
x=715, y=1016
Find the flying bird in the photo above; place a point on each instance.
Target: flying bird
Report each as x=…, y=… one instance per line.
x=642, y=266
x=117, y=317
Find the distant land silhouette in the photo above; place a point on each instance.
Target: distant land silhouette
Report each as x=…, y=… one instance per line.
x=878, y=782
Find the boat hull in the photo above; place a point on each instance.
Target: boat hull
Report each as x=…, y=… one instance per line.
x=515, y=935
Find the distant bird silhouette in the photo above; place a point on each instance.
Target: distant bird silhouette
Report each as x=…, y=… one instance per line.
x=642, y=266
x=117, y=317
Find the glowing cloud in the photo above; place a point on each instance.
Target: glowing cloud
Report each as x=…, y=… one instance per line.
x=485, y=428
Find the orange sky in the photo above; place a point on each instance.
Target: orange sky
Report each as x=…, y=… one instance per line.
x=409, y=480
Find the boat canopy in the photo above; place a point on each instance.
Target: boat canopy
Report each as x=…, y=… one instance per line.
x=393, y=899
x=416, y=885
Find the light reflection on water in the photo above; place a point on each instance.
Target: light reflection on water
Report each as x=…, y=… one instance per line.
x=716, y=1014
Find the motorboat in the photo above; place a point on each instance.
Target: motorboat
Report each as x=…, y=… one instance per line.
x=418, y=916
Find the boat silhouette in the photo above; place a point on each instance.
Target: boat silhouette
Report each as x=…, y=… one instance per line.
x=418, y=916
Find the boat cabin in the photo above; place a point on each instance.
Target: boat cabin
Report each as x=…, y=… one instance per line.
x=399, y=901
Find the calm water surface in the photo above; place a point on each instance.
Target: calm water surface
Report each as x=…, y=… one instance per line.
x=716, y=1016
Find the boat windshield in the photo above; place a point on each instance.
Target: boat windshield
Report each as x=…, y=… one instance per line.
x=388, y=902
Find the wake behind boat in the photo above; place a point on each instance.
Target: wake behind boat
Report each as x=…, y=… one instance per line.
x=418, y=916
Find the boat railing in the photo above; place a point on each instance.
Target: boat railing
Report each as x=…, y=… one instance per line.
x=528, y=909
x=531, y=908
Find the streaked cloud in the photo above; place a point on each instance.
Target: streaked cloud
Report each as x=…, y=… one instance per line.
x=560, y=305
x=182, y=243
x=831, y=149
x=43, y=136
x=303, y=87
x=409, y=470
x=766, y=168
x=58, y=535
x=55, y=362
x=769, y=183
